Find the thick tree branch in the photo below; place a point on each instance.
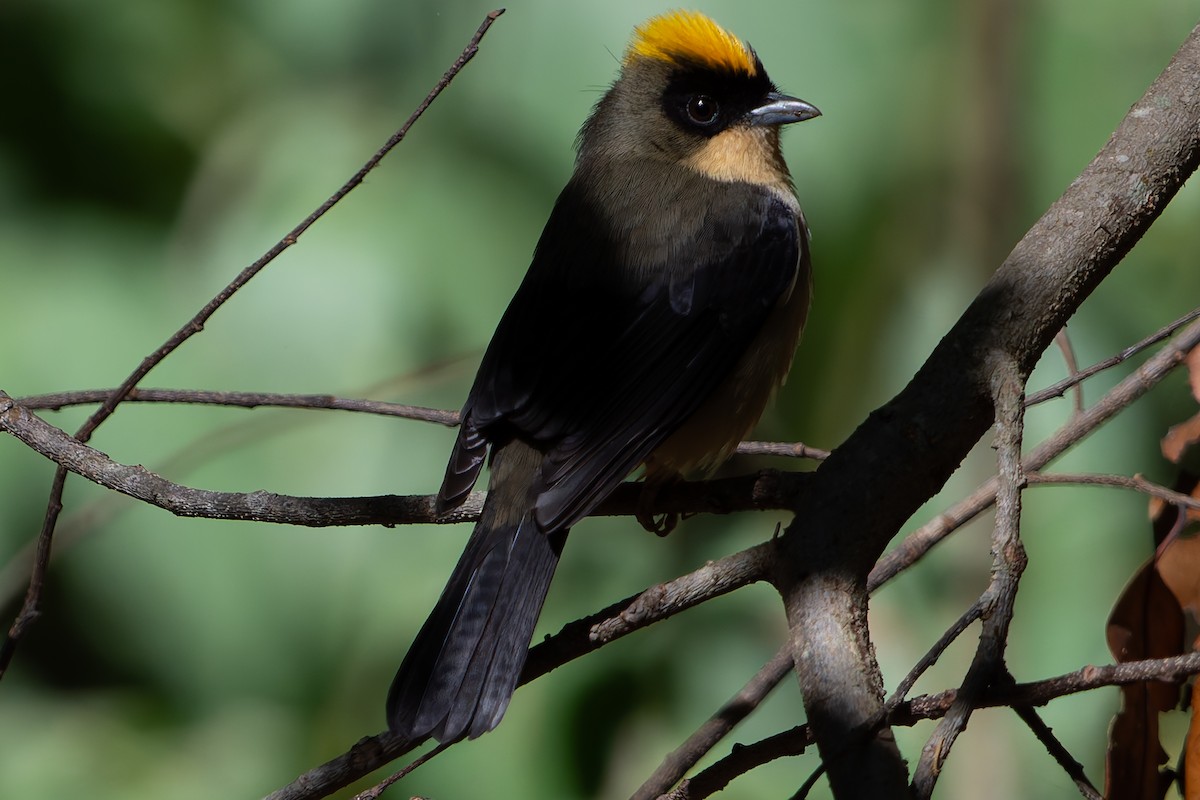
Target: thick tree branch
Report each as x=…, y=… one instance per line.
x=905, y=451
x=767, y=489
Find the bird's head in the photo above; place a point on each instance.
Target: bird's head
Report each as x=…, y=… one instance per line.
x=690, y=92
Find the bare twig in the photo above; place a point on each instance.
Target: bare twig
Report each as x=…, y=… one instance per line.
x=1008, y=564
x=782, y=449
x=677, y=764
x=743, y=759
x=1058, y=751
x=574, y=640
x=375, y=791
x=767, y=489
x=30, y=609
x=934, y=653
x=1060, y=388
x=809, y=783
x=934, y=706
x=1063, y=340
x=1141, y=381
x=654, y=604
x=60, y=400
x=1137, y=483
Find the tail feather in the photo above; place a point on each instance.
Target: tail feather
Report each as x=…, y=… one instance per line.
x=462, y=669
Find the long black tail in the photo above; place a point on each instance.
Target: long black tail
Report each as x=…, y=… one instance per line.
x=463, y=667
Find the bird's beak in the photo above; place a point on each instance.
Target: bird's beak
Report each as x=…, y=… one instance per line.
x=781, y=110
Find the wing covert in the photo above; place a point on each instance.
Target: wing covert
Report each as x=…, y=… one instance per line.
x=598, y=358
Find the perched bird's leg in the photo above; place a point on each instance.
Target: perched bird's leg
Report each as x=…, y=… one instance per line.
x=658, y=524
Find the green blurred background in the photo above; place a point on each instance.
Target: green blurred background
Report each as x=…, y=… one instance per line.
x=151, y=149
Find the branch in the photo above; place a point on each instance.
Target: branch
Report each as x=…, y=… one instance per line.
x=1058, y=751
x=1073, y=375
x=30, y=609
x=906, y=450
x=765, y=490
x=743, y=759
x=60, y=400
x=998, y=600
x=1078, y=377
x=1137, y=483
x=718, y=726
x=656, y=603
x=795, y=741
x=573, y=641
x=1145, y=378
x=1120, y=397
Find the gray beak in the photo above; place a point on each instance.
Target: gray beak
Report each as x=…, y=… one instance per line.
x=781, y=110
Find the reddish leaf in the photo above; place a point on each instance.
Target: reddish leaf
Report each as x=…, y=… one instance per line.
x=1180, y=438
x=1146, y=622
x=1179, y=566
x=1193, y=362
x=1191, y=754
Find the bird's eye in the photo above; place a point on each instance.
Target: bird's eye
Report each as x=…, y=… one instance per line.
x=702, y=109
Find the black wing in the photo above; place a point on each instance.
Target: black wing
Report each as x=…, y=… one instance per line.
x=604, y=352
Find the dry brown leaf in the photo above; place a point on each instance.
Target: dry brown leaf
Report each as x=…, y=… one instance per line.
x=1193, y=365
x=1179, y=566
x=1180, y=438
x=1191, y=754
x=1146, y=622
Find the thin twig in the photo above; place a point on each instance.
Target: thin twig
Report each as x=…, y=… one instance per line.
x=934, y=706
x=1058, y=751
x=809, y=783
x=576, y=639
x=1060, y=388
x=782, y=449
x=1137, y=483
x=767, y=489
x=375, y=791
x=1137, y=384
x=934, y=653
x=1063, y=340
x=717, y=727
x=59, y=400
x=1008, y=564
x=30, y=609
x=743, y=759
x=656, y=603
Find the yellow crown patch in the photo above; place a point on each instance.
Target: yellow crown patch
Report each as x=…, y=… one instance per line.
x=680, y=37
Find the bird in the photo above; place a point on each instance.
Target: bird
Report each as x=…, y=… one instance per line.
x=660, y=311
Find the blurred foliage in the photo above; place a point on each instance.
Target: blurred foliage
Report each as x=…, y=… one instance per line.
x=152, y=149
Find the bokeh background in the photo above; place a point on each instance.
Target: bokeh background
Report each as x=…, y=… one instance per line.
x=149, y=150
